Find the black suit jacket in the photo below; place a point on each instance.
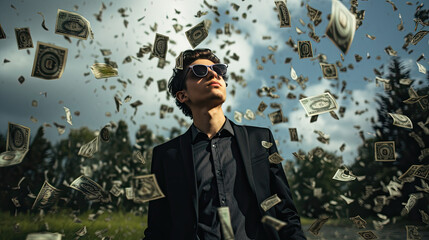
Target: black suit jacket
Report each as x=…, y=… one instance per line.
x=175, y=216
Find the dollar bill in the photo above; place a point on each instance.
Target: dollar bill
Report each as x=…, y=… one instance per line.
x=10, y=158
x=283, y=14
x=88, y=149
x=276, y=117
x=314, y=15
x=418, y=36
x=425, y=217
x=329, y=71
x=266, y=144
x=422, y=171
x=317, y=225
x=198, y=33
x=49, y=61
x=160, y=46
x=313, y=118
x=316, y=105
x=412, y=232
x=341, y=27
x=47, y=196
x=341, y=175
x=412, y=200
x=68, y=115
x=304, y=49
x=103, y=70
x=390, y=51
x=348, y=200
x=249, y=115
x=104, y=134
x=334, y=115
x=293, y=74
x=293, y=135
x=367, y=235
x=129, y=193
x=72, y=24
x=385, y=151
x=273, y=222
x=275, y=158
x=422, y=69
x=44, y=236
x=23, y=38
x=2, y=34
x=358, y=222
x=92, y=190
x=408, y=176
x=149, y=188
x=116, y=191
x=401, y=120
x=405, y=81
x=238, y=116
x=18, y=137
x=137, y=156
x=162, y=85
x=179, y=61
x=60, y=128
x=82, y=232
x=225, y=223
x=270, y=202
x=262, y=106
x=425, y=129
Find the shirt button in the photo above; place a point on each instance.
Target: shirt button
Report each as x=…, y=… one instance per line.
x=219, y=172
x=223, y=200
x=214, y=146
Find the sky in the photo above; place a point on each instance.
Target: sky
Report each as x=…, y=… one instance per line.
x=78, y=89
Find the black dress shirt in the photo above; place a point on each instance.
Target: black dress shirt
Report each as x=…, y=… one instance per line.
x=221, y=181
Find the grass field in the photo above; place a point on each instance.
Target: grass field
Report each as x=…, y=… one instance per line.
x=116, y=225
x=126, y=225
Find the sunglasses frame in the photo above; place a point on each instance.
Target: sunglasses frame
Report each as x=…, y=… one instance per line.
x=207, y=66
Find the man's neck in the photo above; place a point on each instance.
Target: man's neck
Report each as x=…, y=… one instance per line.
x=209, y=122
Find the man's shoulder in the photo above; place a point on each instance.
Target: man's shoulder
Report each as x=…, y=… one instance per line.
x=253, y=129
x=172, y=143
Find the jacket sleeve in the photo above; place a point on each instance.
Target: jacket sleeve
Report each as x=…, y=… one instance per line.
x=158, y=220
x=285, y=210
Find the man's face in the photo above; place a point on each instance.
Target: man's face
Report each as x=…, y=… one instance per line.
x=208, y=91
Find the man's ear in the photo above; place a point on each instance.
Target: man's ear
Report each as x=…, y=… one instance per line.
x=182, y=96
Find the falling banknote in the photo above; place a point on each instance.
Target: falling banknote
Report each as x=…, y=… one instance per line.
x=341, y=27
x=103, y=70
x=270, y=202
x=225, y=222
x=49, y=61
x=72, y=25
x=401, y=120
x=319, y=104
x=92, y=190
x=88, y=150
x=149, y=189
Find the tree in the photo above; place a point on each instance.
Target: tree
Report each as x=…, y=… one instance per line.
x=314, y=191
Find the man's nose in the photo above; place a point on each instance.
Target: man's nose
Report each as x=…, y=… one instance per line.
x=212, y=73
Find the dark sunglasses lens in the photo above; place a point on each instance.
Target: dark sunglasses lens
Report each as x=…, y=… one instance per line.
x=200, y=70
x=220, y=69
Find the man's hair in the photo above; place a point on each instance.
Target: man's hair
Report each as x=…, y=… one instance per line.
x=177, y=81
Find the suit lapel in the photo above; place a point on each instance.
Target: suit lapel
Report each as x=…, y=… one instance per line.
x=188, y=163
x=243, y=144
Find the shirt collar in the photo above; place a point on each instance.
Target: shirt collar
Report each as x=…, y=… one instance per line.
x=226, y=126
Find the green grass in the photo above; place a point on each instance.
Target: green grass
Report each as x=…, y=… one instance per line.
x=119, y=225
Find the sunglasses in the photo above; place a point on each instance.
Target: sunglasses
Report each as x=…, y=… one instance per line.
x=201, y=70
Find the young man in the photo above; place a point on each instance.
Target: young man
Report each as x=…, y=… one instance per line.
x=216, y=163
